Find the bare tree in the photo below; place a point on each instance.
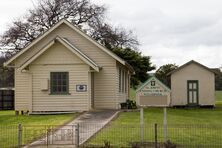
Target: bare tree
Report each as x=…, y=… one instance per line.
x=79, y=12
x=113, y=37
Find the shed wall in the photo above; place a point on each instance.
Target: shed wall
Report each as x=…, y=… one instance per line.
x=193, y=72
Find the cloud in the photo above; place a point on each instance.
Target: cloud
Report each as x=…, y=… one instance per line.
x=170, y=31
x=10, y=10
x=173, y=31
x=162, y=55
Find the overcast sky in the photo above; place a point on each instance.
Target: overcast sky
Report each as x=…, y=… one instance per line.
x=170, y=31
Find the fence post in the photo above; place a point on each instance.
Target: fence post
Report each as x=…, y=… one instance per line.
x=49, y=135
x=19, y=135
x=72, y=134
x=141, y=124
x=155, y=135
x=77, y=135
x=165, y=123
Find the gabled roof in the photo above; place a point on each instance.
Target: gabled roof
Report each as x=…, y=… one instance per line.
x=149, y=80
x=63, y=21
x=188, y=63
x=69, y=46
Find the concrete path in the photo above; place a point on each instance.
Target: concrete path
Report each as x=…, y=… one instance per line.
x=89, y=124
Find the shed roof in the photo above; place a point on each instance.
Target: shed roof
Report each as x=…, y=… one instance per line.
x=191, y=62
x=149, y=80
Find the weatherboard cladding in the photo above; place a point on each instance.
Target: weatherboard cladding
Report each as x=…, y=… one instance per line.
x=193, y=71
x=105, y=81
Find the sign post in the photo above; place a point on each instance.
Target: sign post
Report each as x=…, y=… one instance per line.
x=165, y=123
x=141, y=124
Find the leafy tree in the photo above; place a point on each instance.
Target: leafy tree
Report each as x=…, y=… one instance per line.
x=162, y=72
x=218, y=79
x=81, y=13
x=141, y=64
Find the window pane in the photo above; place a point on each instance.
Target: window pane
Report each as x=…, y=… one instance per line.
x=120, y=79
x=54, y=76
x=64, y=76
x=54, y=89
x=126, y=82
x=190, y=85
x=64, y=82
x=59, y=89
x=190, y=97
x=54, y=82
x=194, y=85
x=194, y=97
x=59, y=82
x=64, y=88
x=60, y=76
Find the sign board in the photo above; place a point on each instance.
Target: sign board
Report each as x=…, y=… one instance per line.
x=81, y=88
x=153, y=88
x=153, y=93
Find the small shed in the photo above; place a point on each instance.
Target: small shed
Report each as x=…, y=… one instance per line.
x=153, y=93
x=192, y=84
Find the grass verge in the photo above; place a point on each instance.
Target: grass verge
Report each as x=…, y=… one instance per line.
x=192, y=127
x=33, y=126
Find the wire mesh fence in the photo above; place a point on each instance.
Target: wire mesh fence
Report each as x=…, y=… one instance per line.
x=8, y=136
x=114, y=135
x=135, y=135
x=18, y=136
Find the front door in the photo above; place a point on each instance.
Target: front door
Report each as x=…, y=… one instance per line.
x=192, y=92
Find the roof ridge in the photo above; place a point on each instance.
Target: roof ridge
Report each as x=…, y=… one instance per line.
x=188, y=63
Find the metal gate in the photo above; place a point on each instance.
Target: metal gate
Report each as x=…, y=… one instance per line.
x=67, y=135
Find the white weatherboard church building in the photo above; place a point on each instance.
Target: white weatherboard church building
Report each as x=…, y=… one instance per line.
x=66, y=70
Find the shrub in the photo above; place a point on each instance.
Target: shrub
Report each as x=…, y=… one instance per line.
x=129, y=104
x=169, y=144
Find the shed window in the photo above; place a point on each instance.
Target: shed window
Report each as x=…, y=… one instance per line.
x=126, y=81
x=59, y=82
x=123, y=80
x=120, y=74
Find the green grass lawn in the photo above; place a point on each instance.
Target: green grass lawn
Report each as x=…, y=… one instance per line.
x=185, y=126
x=218, y=97
x=33, y=126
